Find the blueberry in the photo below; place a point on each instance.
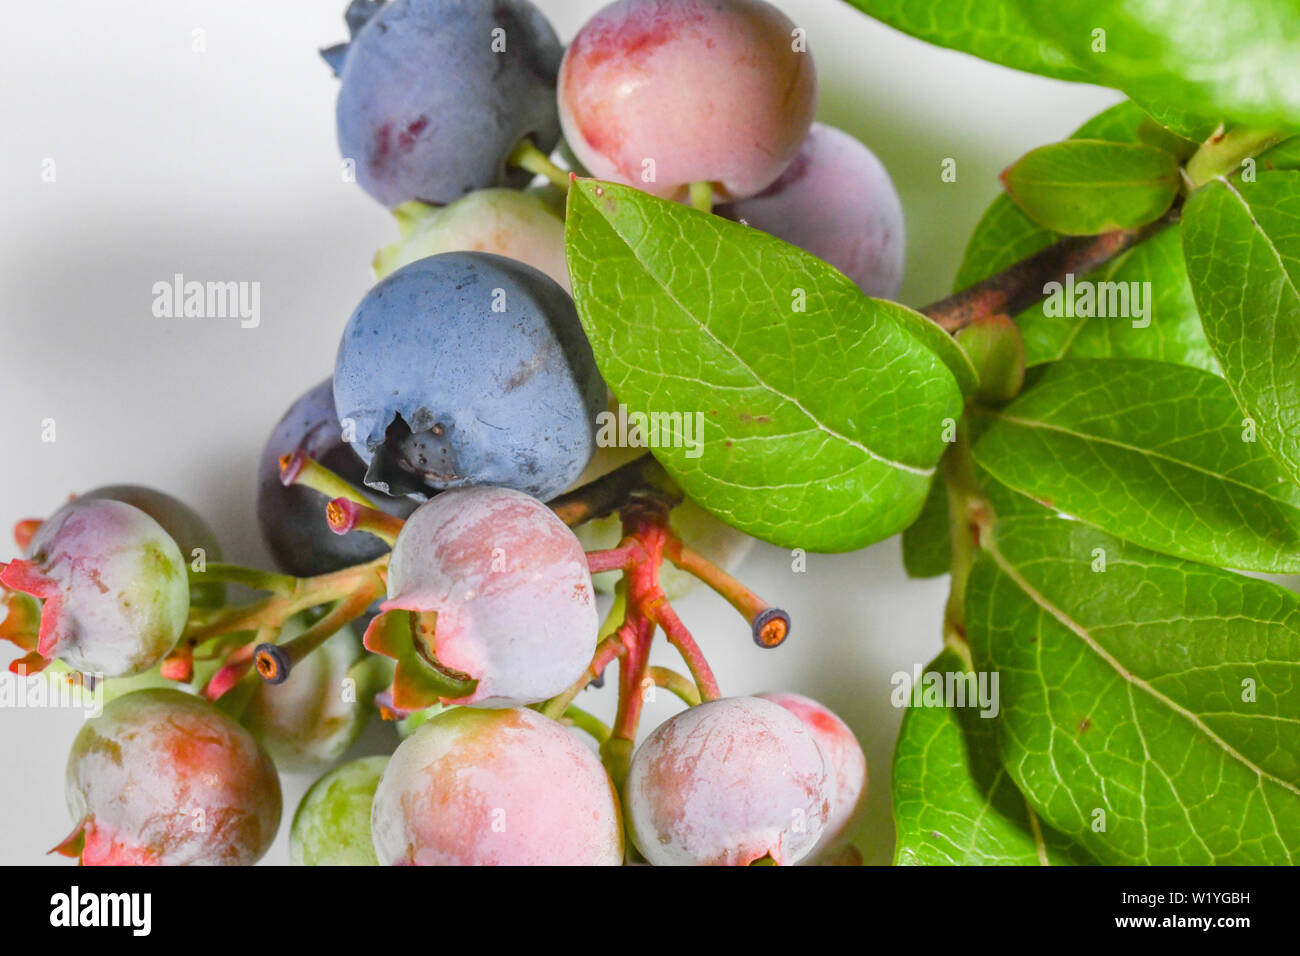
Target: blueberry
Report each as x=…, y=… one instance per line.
x=659, y=94
x=357, y=15
x=186, y=526
x=164, y=778
x=437, y=93
x=113, y=583
x=332, y=825
x=307, y=722
x=836, y=201
x=293, y=519
x=468, y=369
x=511, y=590
x=505, y=222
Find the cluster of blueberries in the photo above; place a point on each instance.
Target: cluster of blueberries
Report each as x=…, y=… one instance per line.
x=437, y=97
x=464, y=396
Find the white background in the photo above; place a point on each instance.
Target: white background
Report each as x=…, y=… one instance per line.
x=222, y=165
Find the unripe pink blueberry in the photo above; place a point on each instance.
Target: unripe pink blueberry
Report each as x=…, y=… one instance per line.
x=728, y=783
x=114, y=587
x=836, y=201
x=192, y=534
x=505, y=222
x=847, y=765
x=497, y=788
x=163, y=778
x=511, y=588
x=718, y=91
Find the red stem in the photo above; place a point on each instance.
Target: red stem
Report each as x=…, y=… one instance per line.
x=636, y=635
x=615, y=559
x=681, y=638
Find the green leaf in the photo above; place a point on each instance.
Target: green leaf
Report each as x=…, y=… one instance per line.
x=1200, y=58
x=1182, y=122
x=993, y=30
x=1171, y=330
x=1083, y=187
x=1149, y=707
x=1242, y=246
x=953, y=804
x=1005, y=235
x=1156, y=317
x=1121, y=123
x=1162, y=137
x=1285, y=155
x=927, y=544
x=927, y=549
x=823, y=410
x=1151, y=452
x=932, y=335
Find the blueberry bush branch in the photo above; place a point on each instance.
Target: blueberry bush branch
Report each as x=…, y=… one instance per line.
x=1023, y=284
x=1093, y=488
x=1017, y=287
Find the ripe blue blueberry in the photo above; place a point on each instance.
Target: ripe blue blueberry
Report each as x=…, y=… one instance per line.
x=293, y=519
x=468, y=369
x=437, y=93
x=356, y=16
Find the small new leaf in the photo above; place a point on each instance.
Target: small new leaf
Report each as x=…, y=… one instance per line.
x=1159, y=318
x=1084, y=187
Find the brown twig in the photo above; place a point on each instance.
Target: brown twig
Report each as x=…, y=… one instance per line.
x=1021, y=285
x=642, y=477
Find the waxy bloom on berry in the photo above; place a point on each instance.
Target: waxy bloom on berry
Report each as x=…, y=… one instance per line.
x=486, y=585
x=113, y=584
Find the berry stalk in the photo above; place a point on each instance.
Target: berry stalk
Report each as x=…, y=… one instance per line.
x=345, y=515
x=275, y=661
x=676, y=684
x=970, y=516
x=528, y=157
x=702, y=196
x=770, y=625
x=275, y=610
x=301, y=469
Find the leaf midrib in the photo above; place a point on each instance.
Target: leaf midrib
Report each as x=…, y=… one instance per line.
x=1075, y=184
x=1145, y=452
x=1259, y=230
x=1132, y=679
